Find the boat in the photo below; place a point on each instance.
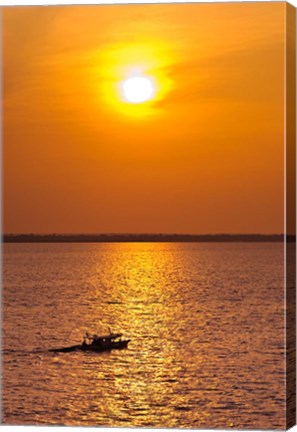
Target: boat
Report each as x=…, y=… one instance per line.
x=97, y=343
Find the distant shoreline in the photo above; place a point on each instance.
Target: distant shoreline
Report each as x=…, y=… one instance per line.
x=145, y=238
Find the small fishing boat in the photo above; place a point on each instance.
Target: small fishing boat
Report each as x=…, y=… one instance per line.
x=97, y=343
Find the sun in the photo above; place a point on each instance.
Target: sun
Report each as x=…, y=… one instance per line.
x=138, y=89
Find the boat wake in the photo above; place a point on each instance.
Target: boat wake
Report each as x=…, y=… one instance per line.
x=23, y=352
x=90, y=343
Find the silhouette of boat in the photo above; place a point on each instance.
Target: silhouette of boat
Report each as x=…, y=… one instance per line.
x=97, y=343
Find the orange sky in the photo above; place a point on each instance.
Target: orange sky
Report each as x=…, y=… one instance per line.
x=204, y=156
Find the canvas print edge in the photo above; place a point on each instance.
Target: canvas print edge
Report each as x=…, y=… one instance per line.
x=291, y=214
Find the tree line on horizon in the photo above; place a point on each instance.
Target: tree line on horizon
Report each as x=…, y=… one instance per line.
x=89, y=238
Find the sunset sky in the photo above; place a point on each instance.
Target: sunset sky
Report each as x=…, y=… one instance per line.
x=203, y=155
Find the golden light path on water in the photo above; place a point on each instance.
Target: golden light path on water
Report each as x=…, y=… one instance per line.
x=151, y=309
x=206, y=344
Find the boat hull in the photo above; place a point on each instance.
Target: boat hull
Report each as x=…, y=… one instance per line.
x=106, y=347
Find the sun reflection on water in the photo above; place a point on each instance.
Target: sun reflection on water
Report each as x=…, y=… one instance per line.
x=144, y=288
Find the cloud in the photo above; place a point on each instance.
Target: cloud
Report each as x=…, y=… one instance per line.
x=247, y=74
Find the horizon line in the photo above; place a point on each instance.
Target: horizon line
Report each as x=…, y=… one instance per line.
x=148, y=238
x=142, y=234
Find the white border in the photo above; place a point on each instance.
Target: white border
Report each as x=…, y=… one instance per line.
x=11, y=3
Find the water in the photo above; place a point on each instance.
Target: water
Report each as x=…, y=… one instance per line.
x=206, y=323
